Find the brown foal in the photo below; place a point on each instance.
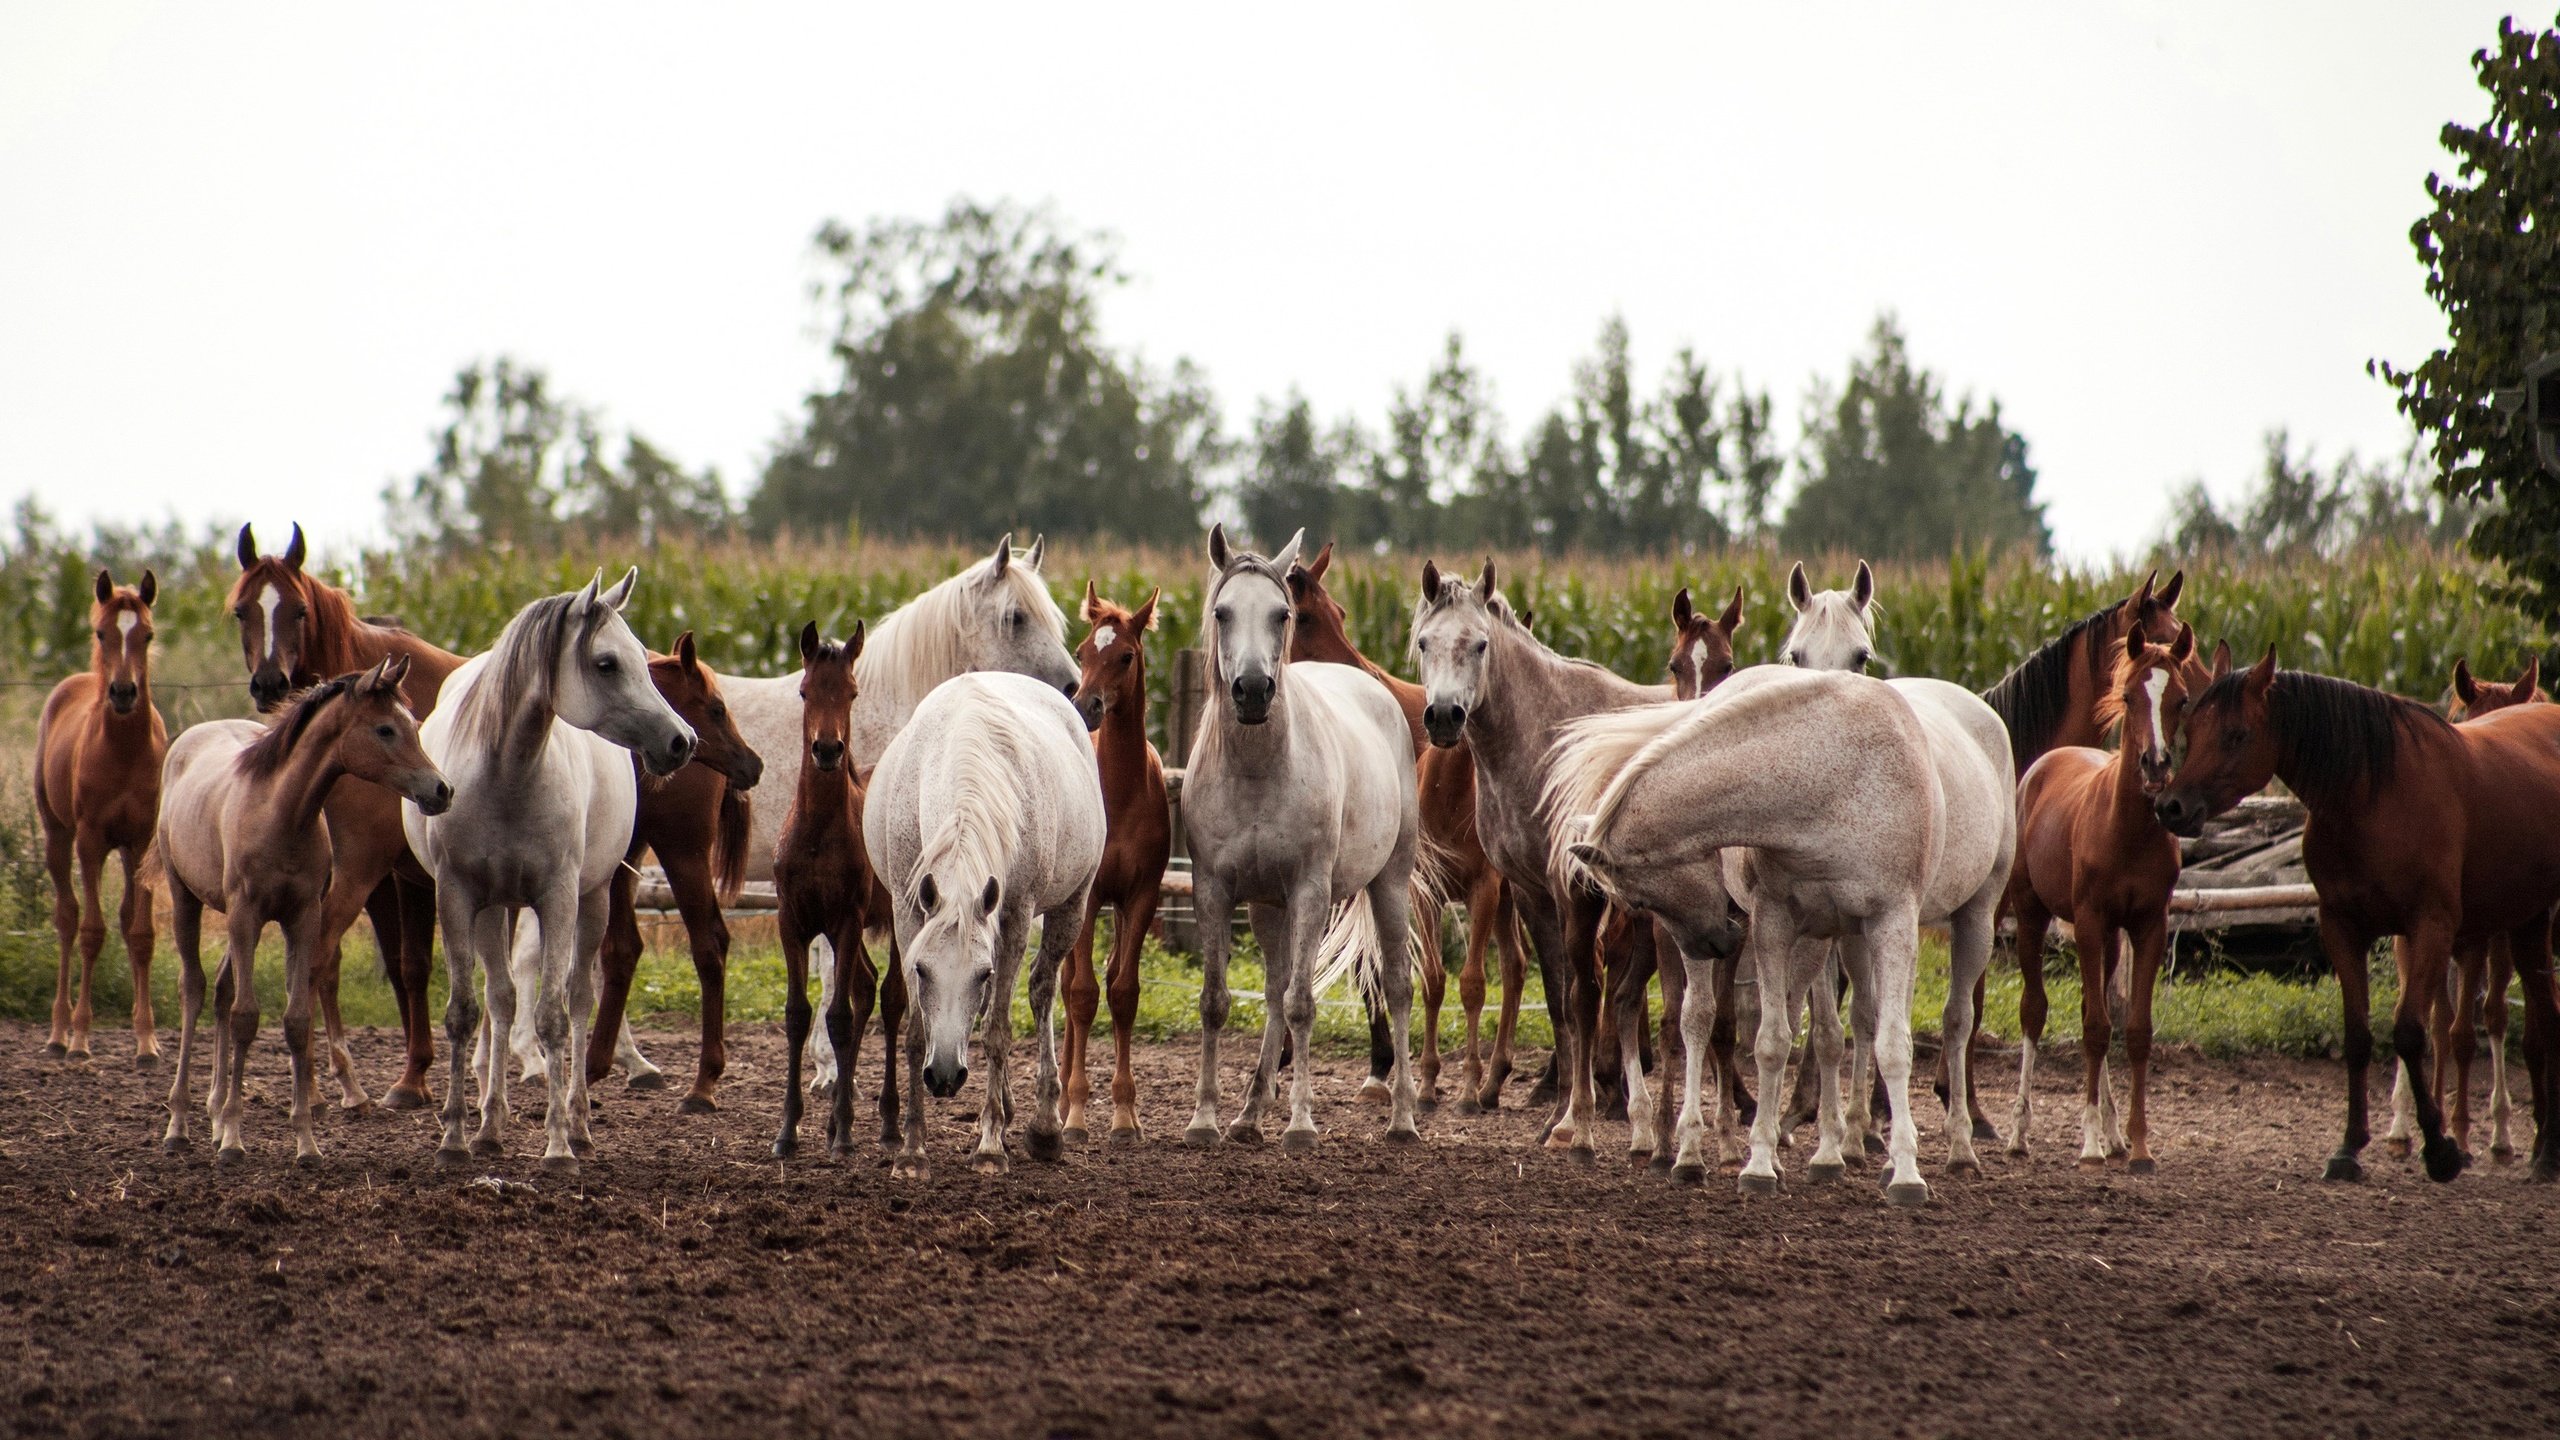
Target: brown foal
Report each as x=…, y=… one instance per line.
x=99, y=746
x=1112, y=697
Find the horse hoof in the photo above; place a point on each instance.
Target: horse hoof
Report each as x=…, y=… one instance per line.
x=2503, y=1154
x=1297, y=1142
x=1044, y=1144
x=229, y=1156
x=1825, y=1172
x=2444, y=1160
x=454, y=1159
x=989, y=1164
x=908, y=1167
x=487, y=1147
x=2092, y=1164
x=1964, y=1167
x=1875, y=1147
x=1690, y=1174
x=1909, y=1194
x=147, y=1060
x=81, y=1054
x=358, y=1107
x=561, y=1167
x=2143, y=1166
x=1375, y=1092
x=1248, y=1136
x=404, y=1097
x=1470, y=1105
x=1490, y=1101
x=648, y=1080
x=1985, y=1130
x=2343, y=1167
x=1201, y=1137
x=2396, y=1144
x=306, y=1159
x=698, y=1105
x=784, y=1147
x=1077, y=1135
x=56, y=1050
x=176, y=1145
x=2018, y=1149
x=1427, y=1102
x=1400, y=1135
x=1750, y=1184
x=1661, y=1160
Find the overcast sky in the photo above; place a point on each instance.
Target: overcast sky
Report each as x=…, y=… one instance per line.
x=244, y=249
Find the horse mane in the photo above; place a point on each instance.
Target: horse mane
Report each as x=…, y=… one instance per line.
x=983, y=828
x=1586, y=769
x=2331, y=735
x=917, y=646
x=268, y=753
x=2109, y=712
x=519, y=671
x=329, y=618
x=2034, y=699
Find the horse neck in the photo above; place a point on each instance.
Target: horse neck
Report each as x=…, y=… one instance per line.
x=1531, y=690
x=288, y=803
x=1248, y=749
x=342, y=641
x=1120, y=745
x=824, y=801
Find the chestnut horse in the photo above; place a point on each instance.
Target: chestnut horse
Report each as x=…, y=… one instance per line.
x=1446, y=783
x=823, y=881
x=2090, y=850
x=697, y=822
x=247, y=836
x=2478, y=992
x=295, y=632
x=2443, y=833
x=99, y=746
x=1112, y=698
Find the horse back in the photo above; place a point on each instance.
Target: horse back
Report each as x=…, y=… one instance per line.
x=2511, y=812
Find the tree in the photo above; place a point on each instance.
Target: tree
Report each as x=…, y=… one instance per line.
x=2297, y=510
x=2493, y=265
x=1892, y=471
x=973, y=392
x=1441, y=476
x=1293, y=476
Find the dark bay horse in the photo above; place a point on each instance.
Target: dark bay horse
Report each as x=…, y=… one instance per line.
x=697, y=822
x=99, y=746
x=2091, y=851
x=1111, y=695
x=2421, y=828
x=1446, y=782
x=296, y=631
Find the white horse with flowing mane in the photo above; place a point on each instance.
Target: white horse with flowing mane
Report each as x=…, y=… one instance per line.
x=985, y=812
x=532, y=736
x=1299, y=801
x=1837, y=807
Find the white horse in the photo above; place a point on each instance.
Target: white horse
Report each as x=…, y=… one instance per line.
x=1843, y=808
x=1299, y=801
x=528, y=733
x=995, y=616
x=984, y=812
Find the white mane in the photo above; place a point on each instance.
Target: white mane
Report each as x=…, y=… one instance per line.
x=923, y=642
x=982, y=831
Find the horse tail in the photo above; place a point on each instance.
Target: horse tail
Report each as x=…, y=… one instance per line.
x=1587, y=773
x=729, y=843
x=1350, y=949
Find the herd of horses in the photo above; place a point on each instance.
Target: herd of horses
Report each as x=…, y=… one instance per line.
x=956, y=774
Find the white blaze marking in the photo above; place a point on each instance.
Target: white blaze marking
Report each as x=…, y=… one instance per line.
x=268, y=599
x=2153, y=685
x=1103, y=637
x=126, y=620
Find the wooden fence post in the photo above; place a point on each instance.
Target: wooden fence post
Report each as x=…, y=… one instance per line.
x=1176, y=922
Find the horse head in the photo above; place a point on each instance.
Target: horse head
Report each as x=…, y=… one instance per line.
x=1701, y=644
x=120, y=636
x=271, y=601
x=691, y=690
x=1113, y=657
x=1452, y=641
x=1323, y=629
x=1250, y=616
x=2473, y=699
x=600, y=679
x=827, y=689
x=2150, y=696
x=1008, y=621
x=378, y=741
x=1831, y=630
x=2231, y=748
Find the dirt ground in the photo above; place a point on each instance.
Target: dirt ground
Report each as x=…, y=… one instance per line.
x=690, y=1285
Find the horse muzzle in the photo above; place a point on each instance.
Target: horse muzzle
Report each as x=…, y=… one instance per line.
x=744, y=770
x=670, y=755
x=1252, y=695
x=1089, y=706
x=827, y=755
x=2182, y=813
x=267, y=689
x=943, y=1078
x=122, y=695
x=1444, y=722
x=433, y=799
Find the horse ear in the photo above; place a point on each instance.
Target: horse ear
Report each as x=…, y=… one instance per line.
x=620, y=595
x=386, y=677
x=925, y=897
x=587, y=593
x=149, y=589
x=1143, y=619
x=1039, y=547
x=248, y=548
x=1322, y=562
x=293, y=550
x=2529, y=681
x=2221, y=658
x=1430, y=581
x=2184, y=646
x=809, y=642
x=1682, y=612
x=1486, y=582
x=1092, y=606
x=1003, y=559
x=2463, y=685
x=853, y=643
x=1863, y=591
x=2263, y=674
x=106, y=587
x=1288, y=555
x=1731, y=619
x=1218, y=545
x=1799, y=589
x=987, y=898
x=2142, y=595
x=684, y=652
x=2168, y=596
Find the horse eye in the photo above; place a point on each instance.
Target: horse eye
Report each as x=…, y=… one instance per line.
x=1480, y=646
x=719, y=710
x=1794, y=657
x=385, y=732
x=1014, y=619
x=607, y=664
x=1223, y=614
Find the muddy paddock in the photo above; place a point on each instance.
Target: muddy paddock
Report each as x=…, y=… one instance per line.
x=688, y=1284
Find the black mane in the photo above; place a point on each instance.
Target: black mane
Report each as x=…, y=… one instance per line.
x=2034, y=700
x=2331, y=735
x=267, y=754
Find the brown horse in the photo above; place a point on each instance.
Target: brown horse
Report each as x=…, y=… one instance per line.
x=697, y=822
x=247, y=835
x=1112, y=697
x=823, y=879
x=99, y=746
x=1446, y=781
x=2090, y=849
x=2477, y=996
x=296, y=631
x=2443, y=833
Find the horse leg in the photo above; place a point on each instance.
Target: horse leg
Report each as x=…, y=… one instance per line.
x=1673, y=1044
x=495, y=931
x=2530, y=945
x=2462, y=1043
x=822, y=1069
x=2150, y=947
x=2034, y=924
x=225, y=990
x=1480, y=919
x=135, y=923
x=893, y=1015
x=1084, y=997
x=1389, y=898
x=1697, y=1020
x=1822, y=1057
x=1057, y=933
x=2404, y=1099
x=707, y=934
x=857, y=990
x=1892, y=953
x=459, y=918
x=1128, y=945
x=242, y=926
x=1216, y=912
x=92, y=853
x=408, y=958
x=1435, y=989
x=1511, y=940
x=1773, y=956
x=910, y=1163
x=2493, y=1020
x=1627, y=1008
x=2096, y=940
x=1272, y=934
x=618, y=965
x=186, y=932
x=1382, y=1054
x=301, y=943
x=2346, y=945
x=564, y=917
x=324, y=967
x=1969, y=960
x=1733, y=1094
x=1804, y=1101
x=66, y=933
x=1582, y=1006
x=795, y=1029
x=335, y=916
x=2421, y=993
x=1308, y=907
x=997, y=1038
